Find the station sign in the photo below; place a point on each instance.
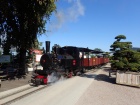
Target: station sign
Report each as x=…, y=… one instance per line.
x=38, y=58
x=5, y=59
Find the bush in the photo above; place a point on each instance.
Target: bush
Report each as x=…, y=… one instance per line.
x=134, y=67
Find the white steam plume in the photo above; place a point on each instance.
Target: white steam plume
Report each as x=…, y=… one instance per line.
x=71, y=13
x=55, y=77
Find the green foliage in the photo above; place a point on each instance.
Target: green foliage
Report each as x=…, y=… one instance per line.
x=21, y=21
x=107, y=54
x=29, y=58
x=119, y=37
x=36, y=44
x=120, y=65
x=134, y=66
x=124, y=58
x=98, y=49
x=92, y=56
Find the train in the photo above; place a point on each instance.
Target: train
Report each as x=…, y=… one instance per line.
x=68, y=61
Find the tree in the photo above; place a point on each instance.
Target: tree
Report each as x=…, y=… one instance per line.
x=98, y=52
x=106, y=54
x=124, y=58
x=21, y=21
x=97, y=49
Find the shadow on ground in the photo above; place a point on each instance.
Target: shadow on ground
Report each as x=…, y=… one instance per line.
x=88, y=75
x=106, y=78
x=101, y=77
x=106, y=69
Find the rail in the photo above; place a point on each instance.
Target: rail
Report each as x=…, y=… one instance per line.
x=19, y=94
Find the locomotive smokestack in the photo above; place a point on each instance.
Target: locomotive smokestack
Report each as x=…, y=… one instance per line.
x=47, y=46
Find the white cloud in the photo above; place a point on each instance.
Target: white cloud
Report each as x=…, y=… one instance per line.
x=74, y=10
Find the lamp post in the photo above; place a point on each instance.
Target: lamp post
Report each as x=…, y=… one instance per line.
x=33, y=62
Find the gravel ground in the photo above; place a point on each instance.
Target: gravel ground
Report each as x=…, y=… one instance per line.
x=10, y=84
x=104, y=91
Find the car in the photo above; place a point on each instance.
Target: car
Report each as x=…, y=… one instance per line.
x=7, y=71
x=11, y=72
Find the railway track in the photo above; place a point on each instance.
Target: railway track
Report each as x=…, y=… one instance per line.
x=10, y=96
x=7, y=98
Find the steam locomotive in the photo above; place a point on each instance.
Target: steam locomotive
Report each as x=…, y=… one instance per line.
x=67, y=60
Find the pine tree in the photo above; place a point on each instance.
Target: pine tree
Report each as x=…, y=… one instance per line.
x=124, y=58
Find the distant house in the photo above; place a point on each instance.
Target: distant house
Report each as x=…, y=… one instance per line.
x=136, y=48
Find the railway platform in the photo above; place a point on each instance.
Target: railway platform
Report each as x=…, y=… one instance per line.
x=14, y=83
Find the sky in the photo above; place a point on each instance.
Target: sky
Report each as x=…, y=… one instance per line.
x=93, y=23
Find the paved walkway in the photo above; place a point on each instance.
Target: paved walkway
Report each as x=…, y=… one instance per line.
x=65, y=92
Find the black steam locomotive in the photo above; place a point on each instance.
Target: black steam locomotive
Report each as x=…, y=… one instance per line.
x=61, y=59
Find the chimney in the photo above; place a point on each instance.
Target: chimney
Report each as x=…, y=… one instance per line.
x=47, y=46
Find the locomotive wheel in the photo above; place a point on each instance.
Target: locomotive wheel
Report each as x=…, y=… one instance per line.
x=83, y=70
x=37, y=81
x=66, y=72
x=75, y=73
x=70, y=74
x=41, y=81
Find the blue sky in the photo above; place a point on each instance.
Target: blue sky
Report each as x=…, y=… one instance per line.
x=93, y=23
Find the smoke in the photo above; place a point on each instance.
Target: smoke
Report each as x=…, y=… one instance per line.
x=55, y=77
x=72, y=10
